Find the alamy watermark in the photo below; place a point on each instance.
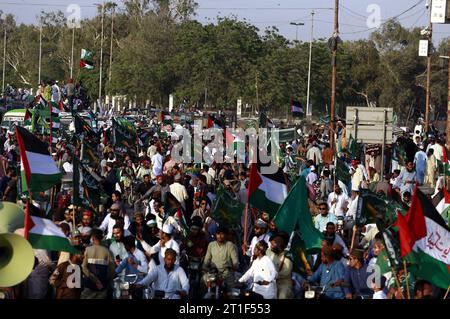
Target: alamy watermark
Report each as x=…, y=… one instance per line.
x=226, y=146
x=374, y=18
x=74, y=16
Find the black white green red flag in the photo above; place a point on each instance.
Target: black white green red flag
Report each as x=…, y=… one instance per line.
x=266, y=191
x=425, y=241
x=38, y=169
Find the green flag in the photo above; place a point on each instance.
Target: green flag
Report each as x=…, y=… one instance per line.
x=294, y=214
x=372, y=207
x=342, y=171
x=89, y=155
x=226, y=209
x=124, y=135
x=399, y=154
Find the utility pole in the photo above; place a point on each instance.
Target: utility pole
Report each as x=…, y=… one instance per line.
x=112, y=39
x=71, y=59
x=447, y=129
x=427, y=102
x=257, y=92
x=296, y=29
x=101, y=61
x=308, y=107
x=40, y=54
x=334, y=41
x=4, y=60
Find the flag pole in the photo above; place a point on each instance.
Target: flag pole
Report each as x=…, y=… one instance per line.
x=406, y=279
x=353, y=237
x=73, y=217
x=396, y=279
x=245, y=228
x=27, y=216
x=302, y=256
x=448, y=290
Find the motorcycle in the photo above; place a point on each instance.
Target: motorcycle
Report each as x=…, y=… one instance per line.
x=131, y=195
x=314, y=292
x=122, y=286
x=215, y=284
x=194, y=274
x=243, y=291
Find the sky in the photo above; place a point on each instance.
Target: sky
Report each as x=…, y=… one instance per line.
x=353, y=14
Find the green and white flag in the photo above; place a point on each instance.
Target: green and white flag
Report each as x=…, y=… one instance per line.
x=86, y=54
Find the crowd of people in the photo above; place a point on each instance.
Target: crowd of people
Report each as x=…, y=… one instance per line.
x=72, y=94
x=133, y=231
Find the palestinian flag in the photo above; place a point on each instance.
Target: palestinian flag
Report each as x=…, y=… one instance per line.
x=28, y=115
x=43, y=233
x=442, y=203
x=425, y=239
x=265, y=121
x=266, y=191
x=86, y=65
x=84, y=60
x=41, y=103
x=214, y=123
x=38, y=169
x=297, y=109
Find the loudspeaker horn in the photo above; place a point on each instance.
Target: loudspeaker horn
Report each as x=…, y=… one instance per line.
x=16, y=259
x=12, y=217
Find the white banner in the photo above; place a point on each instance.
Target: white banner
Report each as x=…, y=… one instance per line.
x=239, y=108
x=438, y=11
x=170, y=102
x=423, y=48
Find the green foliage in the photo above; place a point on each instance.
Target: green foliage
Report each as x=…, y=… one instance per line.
x=159, y=49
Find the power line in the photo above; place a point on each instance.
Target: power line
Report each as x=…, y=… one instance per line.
x=346, y=24
x=43, y=4
x=263, y=8
x=353, y=12
x=389, y=19
x=421, y=16
x=359, y=15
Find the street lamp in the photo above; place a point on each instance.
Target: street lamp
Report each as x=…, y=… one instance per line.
x=297, y=24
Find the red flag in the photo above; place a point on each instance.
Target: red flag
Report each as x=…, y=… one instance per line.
x=446, y=196
x=412, y=226
x=210, y=121
x=406, y=238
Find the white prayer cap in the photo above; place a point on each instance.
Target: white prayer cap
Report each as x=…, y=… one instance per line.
x=313, y=168
x=168, y=229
